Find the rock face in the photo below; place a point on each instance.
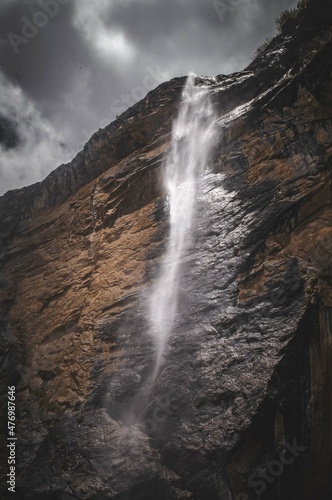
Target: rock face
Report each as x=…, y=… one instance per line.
x=242, y=408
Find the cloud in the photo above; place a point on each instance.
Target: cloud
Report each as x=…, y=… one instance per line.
x=9, y=138
x=38, y=148
x=94, y=58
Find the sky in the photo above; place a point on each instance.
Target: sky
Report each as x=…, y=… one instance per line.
x=69, y=67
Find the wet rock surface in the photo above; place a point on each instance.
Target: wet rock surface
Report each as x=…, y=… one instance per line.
x=241, y=408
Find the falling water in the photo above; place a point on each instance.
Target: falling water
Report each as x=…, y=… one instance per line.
x=193, y=136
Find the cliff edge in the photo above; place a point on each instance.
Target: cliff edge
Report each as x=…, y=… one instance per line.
x=242, y=408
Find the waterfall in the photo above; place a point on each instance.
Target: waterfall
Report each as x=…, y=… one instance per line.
x=193, y=136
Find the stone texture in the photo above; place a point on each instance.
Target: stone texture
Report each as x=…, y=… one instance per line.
x=249, y=361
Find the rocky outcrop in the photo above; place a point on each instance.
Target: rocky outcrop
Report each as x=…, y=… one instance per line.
x=242, y=406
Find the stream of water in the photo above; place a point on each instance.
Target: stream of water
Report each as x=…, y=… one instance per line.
x=193, y=136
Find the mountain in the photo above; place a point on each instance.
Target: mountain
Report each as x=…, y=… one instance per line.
x=242, y=407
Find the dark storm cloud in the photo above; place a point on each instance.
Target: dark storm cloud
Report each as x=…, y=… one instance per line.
x=52, y=63
x=60, y=69
x=94, y=58
x=9, y=138
x=203, y=34
x=147, y=21
x=43, y=66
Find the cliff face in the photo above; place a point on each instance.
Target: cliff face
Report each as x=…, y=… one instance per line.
x=242, y=407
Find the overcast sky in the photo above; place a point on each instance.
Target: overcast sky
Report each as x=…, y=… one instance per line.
x=68, y=67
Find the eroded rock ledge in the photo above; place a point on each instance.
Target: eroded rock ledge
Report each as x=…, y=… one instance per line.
x=249, y=367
